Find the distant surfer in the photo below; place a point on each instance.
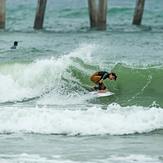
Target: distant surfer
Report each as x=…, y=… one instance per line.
x=99, y=77
x=15, y=45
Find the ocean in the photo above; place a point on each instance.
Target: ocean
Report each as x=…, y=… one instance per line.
x=47, y=114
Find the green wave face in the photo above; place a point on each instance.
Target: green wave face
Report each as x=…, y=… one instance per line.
x=134, y=86
x=139, y=86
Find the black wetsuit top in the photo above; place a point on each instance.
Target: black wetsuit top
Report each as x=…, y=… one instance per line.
x=104, y=75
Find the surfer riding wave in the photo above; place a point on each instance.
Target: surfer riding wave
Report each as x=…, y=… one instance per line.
x=99, y=77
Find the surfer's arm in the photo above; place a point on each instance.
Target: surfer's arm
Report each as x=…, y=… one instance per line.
x=103, y=77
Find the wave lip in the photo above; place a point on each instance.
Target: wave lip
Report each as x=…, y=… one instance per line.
x=116, y=120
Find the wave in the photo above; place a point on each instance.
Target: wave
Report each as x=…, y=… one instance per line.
x=49, y=81
x=120, y=10
x=137, y=85
x=36, y=158
x=81, y=120
x=75, y=13
x=33, y=158
x=23, y=81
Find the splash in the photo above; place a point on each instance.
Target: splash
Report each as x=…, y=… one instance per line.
x=23, y=81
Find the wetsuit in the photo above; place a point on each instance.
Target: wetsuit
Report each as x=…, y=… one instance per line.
x=96, y=77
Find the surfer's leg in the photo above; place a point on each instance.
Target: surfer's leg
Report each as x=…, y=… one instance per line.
x=95, y=78
x=102, y=86
x=96, y=87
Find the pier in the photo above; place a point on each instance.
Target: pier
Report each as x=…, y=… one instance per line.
x=97, y=14
x=2, y=13
x=40, y=12
x=139, y=9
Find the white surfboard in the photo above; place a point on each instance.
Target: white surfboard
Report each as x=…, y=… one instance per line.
x=101, y=94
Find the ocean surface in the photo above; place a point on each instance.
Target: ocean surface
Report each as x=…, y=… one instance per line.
x=47, y=114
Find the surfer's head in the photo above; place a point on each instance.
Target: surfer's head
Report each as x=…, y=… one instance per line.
x=15, y=43
x=112, y=76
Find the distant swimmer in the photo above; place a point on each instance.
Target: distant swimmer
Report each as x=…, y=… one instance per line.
x=15, y=45
x=99, y=77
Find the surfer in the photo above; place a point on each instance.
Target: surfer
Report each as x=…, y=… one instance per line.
x=99, y=77
x=15, y=45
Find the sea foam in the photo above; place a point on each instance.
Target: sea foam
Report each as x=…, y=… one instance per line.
x=81, y=120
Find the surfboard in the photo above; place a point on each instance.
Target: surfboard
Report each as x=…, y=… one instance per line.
x=101, y=94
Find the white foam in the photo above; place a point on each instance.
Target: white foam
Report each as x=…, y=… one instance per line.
x=20, y=81
x=33, y=158
x=11, y=90
x=132, y=158
x=84, y=120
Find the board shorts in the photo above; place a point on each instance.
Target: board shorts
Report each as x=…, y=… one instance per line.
x=95, y=78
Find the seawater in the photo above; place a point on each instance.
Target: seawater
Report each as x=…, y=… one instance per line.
x=46, y=111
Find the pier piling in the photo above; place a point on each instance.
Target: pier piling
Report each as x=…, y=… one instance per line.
x=102, y=15
x=98, y=15
x=139, y=9
x=92, y=13
x=39, y=18
x=2, y=13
